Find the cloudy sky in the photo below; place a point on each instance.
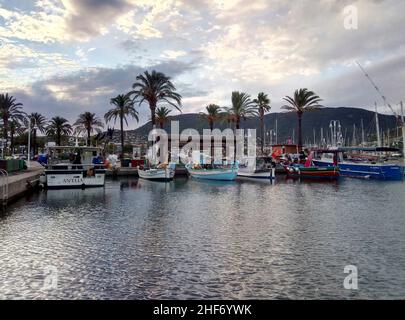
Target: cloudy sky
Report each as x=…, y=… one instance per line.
x=63, y=57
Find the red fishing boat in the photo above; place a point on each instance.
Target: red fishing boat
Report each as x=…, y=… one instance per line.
x=309, y=171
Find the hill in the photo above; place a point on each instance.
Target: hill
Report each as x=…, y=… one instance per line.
x=287, y=123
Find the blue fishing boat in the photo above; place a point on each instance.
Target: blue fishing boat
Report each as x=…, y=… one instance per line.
x=217, y=172
x=364, y=167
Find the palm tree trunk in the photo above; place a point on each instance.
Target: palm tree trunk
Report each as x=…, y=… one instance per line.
x=88, y=137
x=237, y=126
x=34, y=144
x=5, y=127
x=262, y=130
x=58, y=137
x=122, y=134
x=212, y=142
x=153, y=115
x=12, y=141
x=299, y=131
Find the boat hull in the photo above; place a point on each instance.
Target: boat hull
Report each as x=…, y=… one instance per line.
x=212, y=174
x=156, y=174
x=60, y=179
x=367, y=171
x=262, y=175
x=323, y=173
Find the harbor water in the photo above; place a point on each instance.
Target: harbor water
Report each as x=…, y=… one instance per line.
x=188, y=239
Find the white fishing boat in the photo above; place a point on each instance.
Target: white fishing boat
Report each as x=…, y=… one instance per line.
x=73, y=167
x=256, y=168
x=162, y=172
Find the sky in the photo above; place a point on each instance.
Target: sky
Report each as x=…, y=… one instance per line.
x=64, y=57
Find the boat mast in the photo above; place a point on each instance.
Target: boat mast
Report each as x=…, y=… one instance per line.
x=362, y=133
x=403, y=129
x=354, y=142
x=314, y=137
x=377, y=127
x=321, y=143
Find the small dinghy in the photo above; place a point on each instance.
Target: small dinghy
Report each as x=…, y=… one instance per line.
x=162, y=172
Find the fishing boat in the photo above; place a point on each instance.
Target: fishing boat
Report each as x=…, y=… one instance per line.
x=311, y=171
x=213, y=172
x=367, y=167
x=73, y=167
x=329, y=173
x=254, y=168
x=163, y=172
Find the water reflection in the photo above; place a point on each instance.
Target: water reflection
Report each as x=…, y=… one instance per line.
x=198, y=239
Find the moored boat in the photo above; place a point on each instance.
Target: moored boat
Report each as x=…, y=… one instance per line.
x=83, y=171
x=256, y=168
x=218, y=172
x=160, y=173
x=310, y=171
x=365, y=169
x=329, y=173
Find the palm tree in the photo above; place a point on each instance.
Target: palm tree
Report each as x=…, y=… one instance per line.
x=212, y=114
x=87, y=123
x=10, y=110
x=263, y=105
x=242, y=107
x=153, y=88
x=124, y=107
x=303, y=101
x=59, y=127
x=162, y=116
x=38, y=122
x=16, y=128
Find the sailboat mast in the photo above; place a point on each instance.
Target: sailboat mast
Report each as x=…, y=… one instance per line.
x=403, y=129
x=362, y=133
x=321, y=143
x=354, y=135
x=377, y=127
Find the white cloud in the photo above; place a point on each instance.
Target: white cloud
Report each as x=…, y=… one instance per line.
x=173, y=54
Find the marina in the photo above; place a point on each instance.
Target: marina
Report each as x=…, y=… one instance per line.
x=217, y=152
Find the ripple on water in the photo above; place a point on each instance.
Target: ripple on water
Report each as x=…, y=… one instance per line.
x=189, y=240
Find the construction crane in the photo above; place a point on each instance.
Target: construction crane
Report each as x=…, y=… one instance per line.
x=398, y=116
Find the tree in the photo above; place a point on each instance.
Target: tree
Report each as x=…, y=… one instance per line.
x=124, y=108
x=242, y=107
x=57, y=128
x=212, y=114
x=263, y=105
x=303, y=101
x=38, y=122
x=153, y=88
x=10, y=110
x=88, y=122
x=16, y=128
x=162, y=116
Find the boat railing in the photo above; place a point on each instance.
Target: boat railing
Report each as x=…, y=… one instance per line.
x=70, y=166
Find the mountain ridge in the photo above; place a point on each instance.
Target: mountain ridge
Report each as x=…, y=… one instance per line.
x=287, y=124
